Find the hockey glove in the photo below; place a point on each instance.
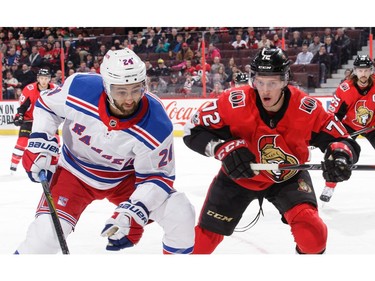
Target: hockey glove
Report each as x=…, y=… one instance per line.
x=125, y=228
x=18, y=119
x=40, y=154
x=338, y=160
x=235, y=158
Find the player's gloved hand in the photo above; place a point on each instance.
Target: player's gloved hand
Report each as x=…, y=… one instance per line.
x=125, y=228
x=41, y=154
x=338, y=160
x=236, y=158
x=18, y=119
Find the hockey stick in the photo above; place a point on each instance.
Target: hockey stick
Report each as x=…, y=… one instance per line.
x=269, y=167
x=354, y=134
x=52, y=209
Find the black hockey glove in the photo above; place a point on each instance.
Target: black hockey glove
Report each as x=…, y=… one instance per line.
x=236, y=158
x=338, y=161
x=18, y=119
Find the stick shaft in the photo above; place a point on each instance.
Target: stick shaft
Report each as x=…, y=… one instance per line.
x=260, y=167
x=52, y=209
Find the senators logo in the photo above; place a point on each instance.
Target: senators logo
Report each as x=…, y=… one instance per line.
x=270, y=153
x=363, y=115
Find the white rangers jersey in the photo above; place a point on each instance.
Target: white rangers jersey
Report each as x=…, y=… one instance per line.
x=101, y=149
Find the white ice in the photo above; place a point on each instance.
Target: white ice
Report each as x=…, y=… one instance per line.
x=267, y=247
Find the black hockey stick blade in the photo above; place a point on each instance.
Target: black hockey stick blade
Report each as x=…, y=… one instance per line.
x=52, y=209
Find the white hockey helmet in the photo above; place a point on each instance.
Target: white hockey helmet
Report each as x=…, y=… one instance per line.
x=122, y=67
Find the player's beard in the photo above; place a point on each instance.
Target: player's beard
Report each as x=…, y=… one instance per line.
x=125, y=109
x=361, y=83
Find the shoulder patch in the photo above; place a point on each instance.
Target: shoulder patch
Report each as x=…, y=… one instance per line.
x=237, y=98
x=344, y=86
x=308, y=105
x=30, y=87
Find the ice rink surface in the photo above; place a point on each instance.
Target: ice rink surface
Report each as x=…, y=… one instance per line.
x=265, y=251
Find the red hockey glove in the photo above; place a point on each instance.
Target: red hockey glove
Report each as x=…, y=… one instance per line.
x=18, y=119
x=236, y=158
x=40, y=154
x=125, y=228
x=338, y=160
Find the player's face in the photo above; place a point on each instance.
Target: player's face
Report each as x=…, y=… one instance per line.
x=127, y=97
x=363, y=74
x=269, y=89
x=43, y=82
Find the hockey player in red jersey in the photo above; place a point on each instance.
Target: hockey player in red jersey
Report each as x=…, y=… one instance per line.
x=267, y=122
x=354, y=104
x=24, y=116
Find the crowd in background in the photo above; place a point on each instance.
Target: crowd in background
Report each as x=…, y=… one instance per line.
x=173, y=55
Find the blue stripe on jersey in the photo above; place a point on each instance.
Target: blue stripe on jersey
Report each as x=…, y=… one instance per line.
x=87, y=87
x=73, y=162
x=80, y=108
x=40, y=105
x=157, y=122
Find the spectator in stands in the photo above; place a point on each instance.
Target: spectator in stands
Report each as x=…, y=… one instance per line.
x=58, y=77
x=71, y=71
x=12, y=57
x=308, y=38
x=343, y=41
x=101, y=52
x=163, y=47
x=24, y=57
x=185, y=53
x=24, y=76
x=324, y=61
x=219, y=77
x=348, y=72
x=188, y=85
x=215, y=65
x=252, y=41
x=150, y=70
x=231, y=79
x=82, y=47
x=188, y=68
x=83, y=67
x=89, y=60
x=69, y=65
x=217, y=91
x=304, y=57
x=327, y=33
x=239, y=43
x=176, y=46
x=229, y=66
x=296, y=40
x=213, y=52
x=189, y=38
x=70, y=53
x=10, y=85
x=174, y=86
x=158, y=86
x=162, y=69
x=211, y=36
x=276, y=42
x=150, y=46
x=333, y=51
x=200, y=66
x=35, y=59
x=264, y=42
x=139, y=46
x=315, y=45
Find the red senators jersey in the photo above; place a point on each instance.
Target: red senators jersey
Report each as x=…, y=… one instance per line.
x=354, y=106
x=277, y=138
x=28, y=98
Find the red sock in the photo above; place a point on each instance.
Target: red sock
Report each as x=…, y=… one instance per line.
x=206, y=241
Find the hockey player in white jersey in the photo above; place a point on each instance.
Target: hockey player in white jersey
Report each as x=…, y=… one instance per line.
x=117, y=144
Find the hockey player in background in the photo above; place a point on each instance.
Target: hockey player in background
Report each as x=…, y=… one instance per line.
x=117, y=144
x=24, y=116
x=267, y=122
x=354, y=104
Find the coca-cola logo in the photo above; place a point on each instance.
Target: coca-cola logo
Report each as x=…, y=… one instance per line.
x=180, y=114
